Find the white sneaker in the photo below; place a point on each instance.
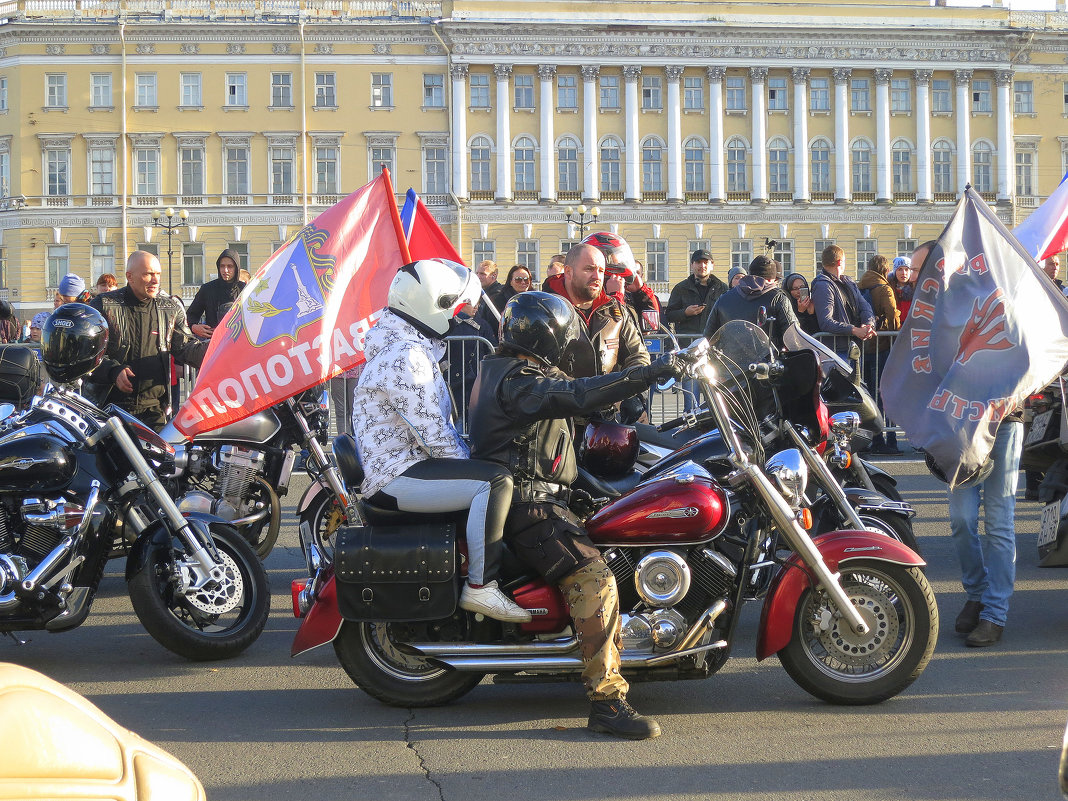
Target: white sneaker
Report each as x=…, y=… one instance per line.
x=491, y=602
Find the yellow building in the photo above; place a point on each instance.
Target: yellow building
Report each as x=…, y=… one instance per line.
x=693, y=124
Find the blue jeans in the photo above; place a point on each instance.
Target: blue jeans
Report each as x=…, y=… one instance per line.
x=988, y=563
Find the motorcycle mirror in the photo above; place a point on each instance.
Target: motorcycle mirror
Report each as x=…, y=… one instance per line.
x=762, y=316
x=6, y=410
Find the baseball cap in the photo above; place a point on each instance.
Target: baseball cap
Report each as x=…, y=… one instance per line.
x=701, y=255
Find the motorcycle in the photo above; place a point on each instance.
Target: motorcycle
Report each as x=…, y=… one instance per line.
x=240, y=472
x=1045, y=449
x=849, y=614
x=74, y=480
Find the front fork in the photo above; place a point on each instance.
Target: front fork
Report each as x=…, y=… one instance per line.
x=823, y=475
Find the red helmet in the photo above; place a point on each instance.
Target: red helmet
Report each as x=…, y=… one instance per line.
x=618, y=257
x=609, y=450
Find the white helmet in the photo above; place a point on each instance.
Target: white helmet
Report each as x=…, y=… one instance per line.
x=428, y=293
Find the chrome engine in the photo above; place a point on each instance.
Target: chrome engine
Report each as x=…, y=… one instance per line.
x=237, y=468
x=44, y=523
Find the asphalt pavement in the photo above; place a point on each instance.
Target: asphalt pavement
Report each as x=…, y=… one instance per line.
x=978, y=724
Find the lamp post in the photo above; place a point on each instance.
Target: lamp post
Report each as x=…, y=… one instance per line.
x=584, y=220
x=170, y=221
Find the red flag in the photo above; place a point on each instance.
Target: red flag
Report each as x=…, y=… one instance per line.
x=303, y=316
x=426, y=240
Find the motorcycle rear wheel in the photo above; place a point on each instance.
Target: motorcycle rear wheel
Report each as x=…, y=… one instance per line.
x=841, y=667
x=373, y=661
x=263, y=534
x=183, y=623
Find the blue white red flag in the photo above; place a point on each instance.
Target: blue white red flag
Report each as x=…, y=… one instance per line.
x=303, y=316
x=1045, y=231
x=985, y=330
x=425, y=238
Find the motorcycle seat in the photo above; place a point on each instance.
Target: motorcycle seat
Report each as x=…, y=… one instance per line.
x=348, y=460
x=380, y=516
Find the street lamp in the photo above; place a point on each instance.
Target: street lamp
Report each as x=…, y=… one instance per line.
x=584, y=220
x=170, y=221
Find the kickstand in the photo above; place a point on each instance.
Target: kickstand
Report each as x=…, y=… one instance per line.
x=11, y=634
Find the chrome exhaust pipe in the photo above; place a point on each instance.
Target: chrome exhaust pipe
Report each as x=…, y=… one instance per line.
x=443, y=650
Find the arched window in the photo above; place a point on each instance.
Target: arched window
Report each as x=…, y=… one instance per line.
x=610, y=161
x=983, y=167
x=652, y=165
x=861, y=160
x=901, y=167
x=778, y=165
x=523, y=158
x=820, y=166
x=480, y=165
x=694, y=154
x=568, y=164
x=737, y=166
x=942, y=166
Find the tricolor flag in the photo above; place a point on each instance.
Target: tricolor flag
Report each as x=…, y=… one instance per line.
x=986, y=329
x=425, y=238
x=1045, y=231
x=303, y=316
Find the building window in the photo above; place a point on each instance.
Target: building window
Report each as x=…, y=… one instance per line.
x=191, y=94
x=942, y=167
x=1064, y=92
x=100, y=90
x=3, y=93
x=900, y=95
x=192, y=263
x=236, y=170
x=860, y=94
x=433, y=90
x=735, y=93
x=145, y=90
x=942, y=95
x=523, y=158
x=480, y=93
x=1025, y=166
x=325, y=90
x=524, y=91
x=102, y=170
x=483, y=250
x=698, y=244
x=901, y=168
x=693, y=94
x=610, y=165
x=819, y=246
x=981, y=96
x=241, y=249
x=609, y=91
x=101, y=260
x=741, y=253
x=737, y=167
x=567, y=91
x=382, y=156
x=1024, y=94
x=282, y=160
x=656, y=260
x=5, y=177
x=861, y=163
x=819, y=94
x=652, y=165
x=694, y=153
x=526, y=253
x=435, y=162
x=382, y=90
x=281, y=90
x=57, y=178
x=983, y=172
x=567, y=160
x=778, y=166
x=56, y=90
x=326, y=159
x=784, y=254
x=58, y=263
x=777, y=94
x=905, y=247
x=481, y=180
x=146, y=171
x=191, y=169
x=236, y=90
x=866, y=248
x=820, y=166
x=652, y=94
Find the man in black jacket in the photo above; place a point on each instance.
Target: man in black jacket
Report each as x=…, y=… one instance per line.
x=146, y=328
x=693, y=298
x=214, y=299
x=760, y=288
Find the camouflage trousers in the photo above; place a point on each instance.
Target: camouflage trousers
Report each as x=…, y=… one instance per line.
x=593, y=599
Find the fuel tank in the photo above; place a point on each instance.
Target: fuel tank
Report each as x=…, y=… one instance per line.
x=41, y=463
x=675, y=510
x=256, y=430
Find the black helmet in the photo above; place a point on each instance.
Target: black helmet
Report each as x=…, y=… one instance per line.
x=540, y=325
x=73, y=341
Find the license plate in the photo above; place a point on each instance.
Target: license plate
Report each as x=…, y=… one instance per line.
x=1038, y=427
x=1051, y=521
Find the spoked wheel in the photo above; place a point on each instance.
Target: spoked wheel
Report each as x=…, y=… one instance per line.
x=370, y=654
x=323, y=518
x=898, y=527
x=826, y=658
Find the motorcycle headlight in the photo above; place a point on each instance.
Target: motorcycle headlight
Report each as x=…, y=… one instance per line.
x=845, y=424
x=790, y=474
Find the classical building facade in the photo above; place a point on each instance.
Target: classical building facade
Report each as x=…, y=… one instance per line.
x=723, y=125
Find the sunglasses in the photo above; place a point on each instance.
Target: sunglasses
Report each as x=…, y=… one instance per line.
x=519, y=280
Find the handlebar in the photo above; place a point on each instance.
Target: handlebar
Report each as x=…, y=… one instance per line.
x=764, y=371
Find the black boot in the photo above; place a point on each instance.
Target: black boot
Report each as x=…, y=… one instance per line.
x=618, y=718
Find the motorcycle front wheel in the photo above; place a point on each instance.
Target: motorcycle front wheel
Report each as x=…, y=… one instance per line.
x=323, y=517
x=369, y=654
x=217, y=621
x=831, y=662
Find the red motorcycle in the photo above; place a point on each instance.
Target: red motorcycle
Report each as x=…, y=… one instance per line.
x=849, y=614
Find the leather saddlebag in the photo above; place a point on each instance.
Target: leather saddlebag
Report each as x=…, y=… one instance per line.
x=396, y=573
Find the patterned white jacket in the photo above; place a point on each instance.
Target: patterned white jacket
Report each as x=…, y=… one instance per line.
x=401, y=411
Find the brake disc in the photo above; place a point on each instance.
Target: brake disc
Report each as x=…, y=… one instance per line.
x=219, y=597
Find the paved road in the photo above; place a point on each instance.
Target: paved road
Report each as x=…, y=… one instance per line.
x=979, y=724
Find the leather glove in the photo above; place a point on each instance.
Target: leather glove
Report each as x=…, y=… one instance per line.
x=666, y=366
x=582, y=504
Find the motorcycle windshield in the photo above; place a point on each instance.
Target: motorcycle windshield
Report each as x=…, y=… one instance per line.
x=734, y=347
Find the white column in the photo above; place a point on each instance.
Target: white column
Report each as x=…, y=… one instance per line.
x=802, y=193
x=591, y=179
x=757, y=76
x=633, y=180
x=547, y=110
x=883, y=184
x=923, y=136
x=674, y=126
x=842, y=185
x=717, y=194
x=459, y=129
x=504, y=132
x=964, y=136
x=1006, y=151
